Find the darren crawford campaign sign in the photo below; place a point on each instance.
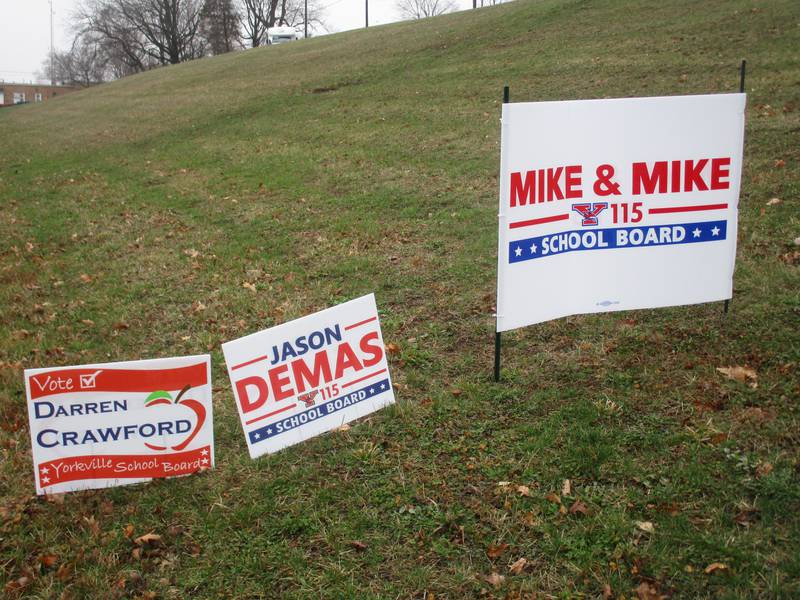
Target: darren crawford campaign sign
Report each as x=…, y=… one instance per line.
x=308, y=376
x=110, y=424
x=617, y=204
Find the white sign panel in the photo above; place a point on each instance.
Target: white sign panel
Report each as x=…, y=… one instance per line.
x=617, y=204
x=103, y=425
x=308, y=376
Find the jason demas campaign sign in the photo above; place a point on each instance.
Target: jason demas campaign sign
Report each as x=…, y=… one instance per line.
x=308, y=376
x=102, y=425
x=617, y=204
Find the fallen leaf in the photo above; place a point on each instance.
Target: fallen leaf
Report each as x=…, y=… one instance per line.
x=249, y=286
x=496, y=551
x=764, y=469
x=524, y=490
x=780, y=163
x=714, y=567
x=343, y=428
x=578, y=507
x=495, y=579
x=128, y=531
x=191, y=252
x=198, y=306
x=85, y=278
x=392, y=348
x=774, y=201
x=646, y=526
x=566, y=488
x=553, y=497
x=17, y=584
x=147, y=538
x=64, y=572
x=518, y=566
x=358, y=545
x=741, y=374
x=87, y=322
x=48, y=560
x=607, y=593
x=121, y=326
x=746, y=517
x=647, y=591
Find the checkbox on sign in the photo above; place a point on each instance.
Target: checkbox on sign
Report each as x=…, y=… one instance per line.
x=90, y=381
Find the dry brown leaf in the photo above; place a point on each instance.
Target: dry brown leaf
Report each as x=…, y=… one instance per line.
x=87, y=322
x=392, y=348
x=64, y=572
x=647, y=591
x=86, y=278
x=147, y=538
x=646, y=526
x=496, y=551
x=578, y=507
x=518, y=566
x=553, y=497
x=191, y=252
x=358, y=545
x=714, y=567
x=524, y=490
x=764, y=469
x=774, y=201
x=198, y=306
x=495, y=579
x=249, y=286
x=128, y=531
x=780, y=163
x=566, y=488
x=741, y=374
x=607, y=593
x=48, y=560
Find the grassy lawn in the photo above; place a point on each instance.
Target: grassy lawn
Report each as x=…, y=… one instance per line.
x=133, y=214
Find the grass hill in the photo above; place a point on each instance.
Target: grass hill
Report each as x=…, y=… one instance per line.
x=134, y=213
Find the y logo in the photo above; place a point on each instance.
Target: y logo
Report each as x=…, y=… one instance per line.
x=589, y=211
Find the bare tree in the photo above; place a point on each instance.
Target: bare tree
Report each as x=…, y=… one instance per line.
x=420, y=9
x=145, y=32
x=258, y=16
x=219, y=24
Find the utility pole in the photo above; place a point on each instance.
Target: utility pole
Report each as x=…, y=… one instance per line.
x=366, y=13
x=305, y=20
x=52, y=49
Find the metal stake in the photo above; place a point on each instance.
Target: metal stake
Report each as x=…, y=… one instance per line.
x=742, y=70
x=497, y=340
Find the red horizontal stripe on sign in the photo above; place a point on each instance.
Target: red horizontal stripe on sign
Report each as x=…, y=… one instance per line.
x=109, y=379
x=540, y=221
x=249, y=362
x=370, y=376
x=122, y=466
x=679, y=209
x=274, y=412
x=364, y=322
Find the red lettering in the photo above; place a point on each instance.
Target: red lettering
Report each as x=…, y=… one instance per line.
x=553, y=187
x=692, y=175
x=375, y=351
x=303, y=375
x=675, y=186
x=573, y=181
x=346, y=359
x=720, y=167
x=278, y=383
x=522, y=193
x=642, y=178
x=242, y=393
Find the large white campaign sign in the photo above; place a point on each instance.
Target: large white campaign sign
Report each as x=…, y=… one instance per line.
x=103, y=425
x=617, y=204
x=308, y=376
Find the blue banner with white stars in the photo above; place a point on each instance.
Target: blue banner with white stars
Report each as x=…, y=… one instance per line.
x=319, y=411
x=612, y=238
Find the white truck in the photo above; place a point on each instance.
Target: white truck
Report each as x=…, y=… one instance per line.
x=280, y=35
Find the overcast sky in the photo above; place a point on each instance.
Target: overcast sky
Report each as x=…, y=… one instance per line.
x=25, y=28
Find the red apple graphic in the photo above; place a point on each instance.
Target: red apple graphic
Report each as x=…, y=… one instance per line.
x=162, y=397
